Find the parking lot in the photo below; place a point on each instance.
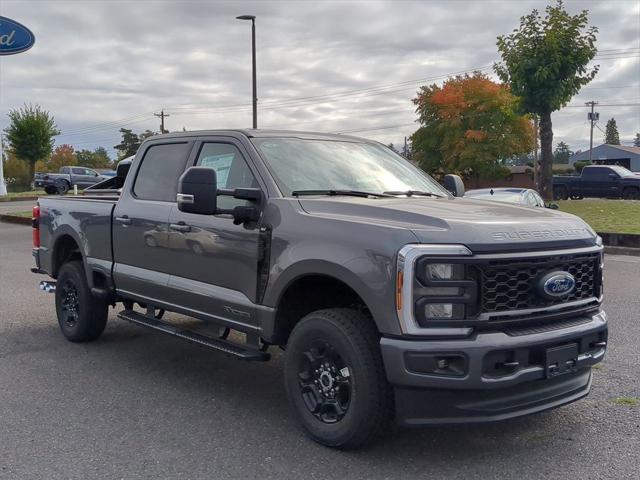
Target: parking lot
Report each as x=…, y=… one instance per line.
x=137, y=404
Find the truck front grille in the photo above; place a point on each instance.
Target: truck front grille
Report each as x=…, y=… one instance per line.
x=510, y=284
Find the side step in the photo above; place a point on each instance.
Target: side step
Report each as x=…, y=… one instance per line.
x=231, y=348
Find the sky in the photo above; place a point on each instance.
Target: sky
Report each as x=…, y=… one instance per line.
x=330, y=66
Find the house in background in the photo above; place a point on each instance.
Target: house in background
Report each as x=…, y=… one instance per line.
x=605, y=154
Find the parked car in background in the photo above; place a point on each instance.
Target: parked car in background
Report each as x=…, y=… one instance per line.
x=521, y=196
x=598, y=181
x=67, y=177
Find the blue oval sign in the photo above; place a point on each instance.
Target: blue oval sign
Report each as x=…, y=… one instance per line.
x=557, y=284
x=14, y=37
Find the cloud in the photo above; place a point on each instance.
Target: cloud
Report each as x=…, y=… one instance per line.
x=101, y=65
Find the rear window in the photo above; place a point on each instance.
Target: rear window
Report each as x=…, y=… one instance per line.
x=158, y=174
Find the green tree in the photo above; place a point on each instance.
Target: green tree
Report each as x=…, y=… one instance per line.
x=562, y=153
x=129, y=144
x=545, y=63
x=30, y=135
x=470, y=125
x=636, y=141
x=99, y=158
x=611, y=135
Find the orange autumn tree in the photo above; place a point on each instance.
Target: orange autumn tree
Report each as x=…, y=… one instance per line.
x=469, y=126
x=62, y=156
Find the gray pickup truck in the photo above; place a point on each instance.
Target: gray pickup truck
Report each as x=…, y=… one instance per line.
x=66, y=178
x=391, y=296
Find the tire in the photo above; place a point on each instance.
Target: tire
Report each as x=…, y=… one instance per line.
x=576, y=197
x=630, y=194
x=361, y=405
x=81, y=316
x=64, y=187
x=560, y=193
x=50, y=190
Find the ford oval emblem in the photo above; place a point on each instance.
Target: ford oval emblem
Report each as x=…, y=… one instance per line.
x=14, y=37
x=557, y=284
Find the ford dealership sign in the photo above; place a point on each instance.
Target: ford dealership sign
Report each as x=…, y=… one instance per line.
x=14, y=37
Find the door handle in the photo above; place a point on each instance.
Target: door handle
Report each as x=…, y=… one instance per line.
x=180, y=227
x=124, y=220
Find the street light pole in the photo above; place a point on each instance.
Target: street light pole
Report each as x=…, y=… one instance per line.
x=3, y=186
x=253, y=59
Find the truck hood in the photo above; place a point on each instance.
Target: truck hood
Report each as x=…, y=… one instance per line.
x=481, y=225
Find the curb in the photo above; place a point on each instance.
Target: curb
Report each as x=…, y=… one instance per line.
x=13, y=219
x=621, y=251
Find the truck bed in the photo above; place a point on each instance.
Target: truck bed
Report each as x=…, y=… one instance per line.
x=86, y=219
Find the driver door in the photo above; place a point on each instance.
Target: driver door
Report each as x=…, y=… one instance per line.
x=216, y=262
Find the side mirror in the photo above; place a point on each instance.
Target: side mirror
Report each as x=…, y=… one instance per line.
x=454, y=184
x=552, y=206
x=197, y=191
x=613, y=176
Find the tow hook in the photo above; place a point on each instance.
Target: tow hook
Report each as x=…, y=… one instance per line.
x=49, y=287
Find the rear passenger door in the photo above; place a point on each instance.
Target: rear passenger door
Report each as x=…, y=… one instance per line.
x=141, y=220
x=215, y=263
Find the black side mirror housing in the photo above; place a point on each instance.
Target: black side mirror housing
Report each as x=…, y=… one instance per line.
x=553, y=206
x=454, y=184
x=197, y=191
x=613, y=176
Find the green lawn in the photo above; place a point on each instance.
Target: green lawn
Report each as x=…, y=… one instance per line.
x=20, y=214
x=609, y=216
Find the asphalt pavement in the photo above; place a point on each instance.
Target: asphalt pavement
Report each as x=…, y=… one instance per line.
x=138, y=404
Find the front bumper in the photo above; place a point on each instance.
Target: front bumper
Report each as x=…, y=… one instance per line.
x=500, y=376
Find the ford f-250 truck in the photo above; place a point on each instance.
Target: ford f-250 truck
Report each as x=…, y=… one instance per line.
x=389, y=295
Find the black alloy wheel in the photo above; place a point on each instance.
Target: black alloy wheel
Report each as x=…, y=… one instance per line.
x=325, y=383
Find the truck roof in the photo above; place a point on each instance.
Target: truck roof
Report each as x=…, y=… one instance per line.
x=266, y=133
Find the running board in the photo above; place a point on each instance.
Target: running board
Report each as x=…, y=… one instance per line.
x=231, y=348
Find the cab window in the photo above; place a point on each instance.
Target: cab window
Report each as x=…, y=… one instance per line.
x=231, y=169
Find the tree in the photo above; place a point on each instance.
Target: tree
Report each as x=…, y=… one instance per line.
x=99, y=158
x=62, y=156
x=469, y=125
x=545, y=63
x=611, y=136
x=636, y=141
x=30, y=135
x=562, y=153
x=129, y=144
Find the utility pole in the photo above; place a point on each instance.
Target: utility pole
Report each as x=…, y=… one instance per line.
x=162, y=115
x=535, y=151
x=593, y=118
x=406, y=153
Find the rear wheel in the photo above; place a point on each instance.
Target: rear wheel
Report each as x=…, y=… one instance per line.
x=50, y=190
x=560, y=193
x=335, y=378
x=81, y=316
x=630, y=194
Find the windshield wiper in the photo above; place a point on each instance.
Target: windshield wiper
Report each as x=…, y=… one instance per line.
x=411, y=193
x=332, y=193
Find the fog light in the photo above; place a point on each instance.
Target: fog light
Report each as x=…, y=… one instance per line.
x=438, y=310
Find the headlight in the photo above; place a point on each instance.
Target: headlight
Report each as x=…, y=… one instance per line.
x=433, y=288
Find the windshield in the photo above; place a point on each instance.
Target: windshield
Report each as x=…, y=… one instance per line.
x=623, y=172
x=507, y=197
x=322, y=165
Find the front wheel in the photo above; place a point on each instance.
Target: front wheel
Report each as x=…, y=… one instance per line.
x=50, y=190
x=64, y=187
x=335, y=378
x=81, y=316
x=630, y=194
